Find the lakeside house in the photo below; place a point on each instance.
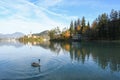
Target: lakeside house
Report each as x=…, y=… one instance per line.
x=43, y=35
x=29, y=35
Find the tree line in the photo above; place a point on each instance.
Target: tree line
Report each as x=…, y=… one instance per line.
x=105, y=27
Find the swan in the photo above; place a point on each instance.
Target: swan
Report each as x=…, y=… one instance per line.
x=34, y=64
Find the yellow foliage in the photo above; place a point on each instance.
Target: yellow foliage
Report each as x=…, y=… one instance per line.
x=67, y=34
x=67, y=47
x=85, y=29
x=78, y=53
x=78, y=28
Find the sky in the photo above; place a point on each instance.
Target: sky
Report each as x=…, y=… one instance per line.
x=38, y=15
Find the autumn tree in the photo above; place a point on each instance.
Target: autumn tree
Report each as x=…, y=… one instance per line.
x=94, y=30
x=54, y=33
x=78, y=26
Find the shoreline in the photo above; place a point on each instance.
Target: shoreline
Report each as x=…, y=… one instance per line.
x=71, y=40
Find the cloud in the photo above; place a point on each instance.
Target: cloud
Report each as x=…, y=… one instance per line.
x=20, y=26
x=39, y=15
x=25, y=16
x=47, y=3
x=63, y=16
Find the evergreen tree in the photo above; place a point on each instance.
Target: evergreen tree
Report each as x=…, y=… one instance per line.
x=113, y=15
x=78, y=22
x=75, y=26
x=119, y=14
x=102, y=25
x=71, y=28
x=88, y=24
x=94, y=30
x=82, y=24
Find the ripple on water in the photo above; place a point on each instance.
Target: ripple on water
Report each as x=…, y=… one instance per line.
x=24, y=70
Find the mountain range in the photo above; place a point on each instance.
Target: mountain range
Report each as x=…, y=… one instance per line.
x=13, y=35
x=44, y=34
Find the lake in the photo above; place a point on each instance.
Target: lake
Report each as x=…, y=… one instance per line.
x=60, y=61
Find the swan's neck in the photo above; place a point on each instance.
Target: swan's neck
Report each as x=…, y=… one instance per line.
x=39, y=60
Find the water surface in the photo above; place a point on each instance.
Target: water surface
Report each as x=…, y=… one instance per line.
x=60, y=61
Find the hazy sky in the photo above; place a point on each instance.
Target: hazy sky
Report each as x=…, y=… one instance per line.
x=38, y=15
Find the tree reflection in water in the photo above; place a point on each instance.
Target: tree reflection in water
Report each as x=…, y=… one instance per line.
x=106, y=55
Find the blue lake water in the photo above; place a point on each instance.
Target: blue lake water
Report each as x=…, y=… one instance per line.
x=60, y=61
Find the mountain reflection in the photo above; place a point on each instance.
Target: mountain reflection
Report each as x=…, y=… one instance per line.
x=106, y=55
x=15, y=43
